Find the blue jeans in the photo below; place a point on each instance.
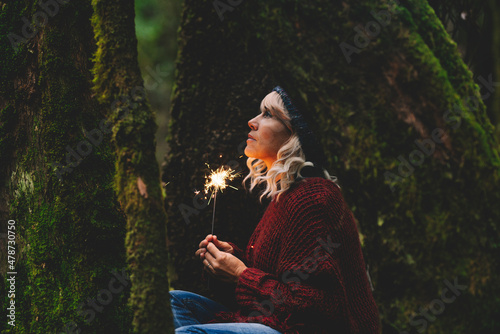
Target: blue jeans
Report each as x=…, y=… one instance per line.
x=192, y=312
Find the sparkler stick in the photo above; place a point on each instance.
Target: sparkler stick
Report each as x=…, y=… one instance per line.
x=213, y=214
x=217, y=181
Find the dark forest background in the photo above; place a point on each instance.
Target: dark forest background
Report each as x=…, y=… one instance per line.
x=198, y=69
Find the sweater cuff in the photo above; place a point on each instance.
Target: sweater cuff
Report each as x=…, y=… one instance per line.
x=251, y=283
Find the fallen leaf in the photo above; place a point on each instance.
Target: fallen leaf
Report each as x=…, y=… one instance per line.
x=142, y=188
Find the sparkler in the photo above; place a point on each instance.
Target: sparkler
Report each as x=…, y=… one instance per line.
x=217, y=181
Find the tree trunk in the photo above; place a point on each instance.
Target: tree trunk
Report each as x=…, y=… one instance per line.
x=495, y=104
x=58, y=175
x=118, y=82
x=383, y=82
x=69, y=227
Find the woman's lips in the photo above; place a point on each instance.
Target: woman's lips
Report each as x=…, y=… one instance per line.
x=250, y=138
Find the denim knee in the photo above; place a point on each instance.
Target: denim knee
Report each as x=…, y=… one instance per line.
x=179, y=293
x=173, y=293
x=190, y=330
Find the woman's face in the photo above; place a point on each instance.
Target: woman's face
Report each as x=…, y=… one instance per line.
x=268, y=133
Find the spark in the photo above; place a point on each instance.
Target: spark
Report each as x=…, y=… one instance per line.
x=216, y=181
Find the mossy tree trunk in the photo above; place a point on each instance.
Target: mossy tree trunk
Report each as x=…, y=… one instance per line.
x=118, y=82
x=59, y=180
x=475, y=27
x=384, y=82
x=70, y=228
x=495, y=48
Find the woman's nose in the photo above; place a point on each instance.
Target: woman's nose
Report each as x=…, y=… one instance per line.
x=252, y=124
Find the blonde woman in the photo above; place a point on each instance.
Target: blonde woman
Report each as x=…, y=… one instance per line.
x=303, y=270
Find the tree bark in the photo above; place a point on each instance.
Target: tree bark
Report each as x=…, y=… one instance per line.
x=118, y=82
x=69, y=140
x=382, y=81
x=70, y=229
x=495, y=48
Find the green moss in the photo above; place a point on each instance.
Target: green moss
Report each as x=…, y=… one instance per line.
x=71, y=233
x=116, y=76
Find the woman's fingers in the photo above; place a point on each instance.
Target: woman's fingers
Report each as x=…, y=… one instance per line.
x=217, y=243
x=222, y=245
x=213, y=250
x=209, y=257
x=211, y=239
x=200, y=251
x=225, y=266
x=205, y=241
x=210, y=272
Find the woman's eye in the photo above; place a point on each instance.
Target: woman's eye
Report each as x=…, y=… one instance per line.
x=267, y=113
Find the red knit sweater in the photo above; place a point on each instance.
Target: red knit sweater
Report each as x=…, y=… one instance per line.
x=306, y=272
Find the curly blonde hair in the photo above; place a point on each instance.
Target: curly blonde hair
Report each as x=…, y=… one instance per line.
x=290, y=157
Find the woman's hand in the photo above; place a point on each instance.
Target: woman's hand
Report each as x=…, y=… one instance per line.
x=222, y=265
x=221, y=245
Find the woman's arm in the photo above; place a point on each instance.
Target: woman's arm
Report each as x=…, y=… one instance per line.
x=319, y=277
x=306, y=284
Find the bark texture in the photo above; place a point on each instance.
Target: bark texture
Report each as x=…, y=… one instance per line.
x=495, y=105
x=118, y=84
x=70, y=232
x=400, y=118
x=73, y=88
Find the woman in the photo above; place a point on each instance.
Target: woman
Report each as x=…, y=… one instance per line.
x=303, y=270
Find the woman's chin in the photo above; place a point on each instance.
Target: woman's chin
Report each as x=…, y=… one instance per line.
x=248, y=152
